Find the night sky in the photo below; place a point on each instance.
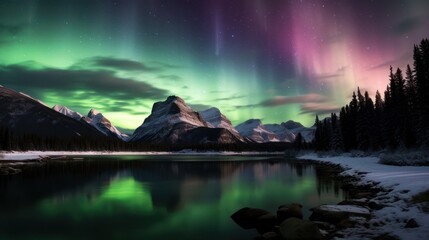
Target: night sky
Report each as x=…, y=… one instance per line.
x=273, y=60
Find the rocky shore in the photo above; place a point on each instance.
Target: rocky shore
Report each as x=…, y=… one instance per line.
x=351, y=218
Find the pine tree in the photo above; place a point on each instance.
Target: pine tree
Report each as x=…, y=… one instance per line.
x=412, y=116
x=378, y=129
x=336, y=140
x=421, y=69
x=298, y=142
x=345, y=127
x=362, y=125
x=352, y=119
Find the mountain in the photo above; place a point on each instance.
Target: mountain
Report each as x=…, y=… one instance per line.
x=296, y=127
x=104, y=125
x=292, y=124
x=256, y=131
x=95, y=119
x=68, y=112
x=218, y=120
x=282, y=133
x=25, y=115
x=172, y=122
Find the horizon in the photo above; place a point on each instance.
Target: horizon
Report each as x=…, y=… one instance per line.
x=130, y=131
x=274, y=61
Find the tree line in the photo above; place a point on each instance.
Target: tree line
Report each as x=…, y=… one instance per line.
x=399, y=119
x=9, y=141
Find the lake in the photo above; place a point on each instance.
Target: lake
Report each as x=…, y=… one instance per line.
x=154, y=197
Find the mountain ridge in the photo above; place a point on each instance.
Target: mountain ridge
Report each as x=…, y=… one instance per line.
x=171, y=122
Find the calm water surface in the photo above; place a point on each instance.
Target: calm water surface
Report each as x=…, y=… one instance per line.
x=154, y=197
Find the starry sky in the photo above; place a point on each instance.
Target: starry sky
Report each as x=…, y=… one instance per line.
x=268, y=59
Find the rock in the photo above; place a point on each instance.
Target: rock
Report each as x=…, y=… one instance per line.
x=324, y=225
x=247, y=218
x=271, y=236
x=353, y=202
x=336, y=213
x=266, y=223
x=295, y=228
x=287, y=211
x=345, y=223
x=363, y=194
x=412, y=224
x=375, y=206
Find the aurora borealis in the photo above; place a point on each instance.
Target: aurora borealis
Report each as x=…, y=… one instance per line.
x=273, y=60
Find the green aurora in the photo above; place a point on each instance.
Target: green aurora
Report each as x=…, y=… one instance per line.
x=251, y=60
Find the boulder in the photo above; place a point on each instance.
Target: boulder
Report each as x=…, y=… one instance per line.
x=287, y=211
x=353, y=202
x=412, y=224
x=266, y=223
x=247, y=218
x=296, y=229
x=375, y=205
x=337, y=213
x=270, y=236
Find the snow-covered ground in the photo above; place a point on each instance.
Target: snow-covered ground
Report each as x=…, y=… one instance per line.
x=32, y=155
x=405, y=181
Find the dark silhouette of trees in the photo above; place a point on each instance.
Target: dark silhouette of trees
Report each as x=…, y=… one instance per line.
x=400, y=120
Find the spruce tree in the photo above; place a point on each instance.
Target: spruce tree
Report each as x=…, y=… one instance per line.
x=379, y=121
x=421, y=69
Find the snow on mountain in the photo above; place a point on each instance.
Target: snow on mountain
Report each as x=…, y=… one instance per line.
x=296, y=127
x=282, y=133
x=68, y=112
x=218, y=120
x=256, y=131
x=23, y=114
x=172, y=121
x=95, y=119
x=104, y=125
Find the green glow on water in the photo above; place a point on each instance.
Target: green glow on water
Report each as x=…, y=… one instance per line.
x=164, y=201
x=120, y=195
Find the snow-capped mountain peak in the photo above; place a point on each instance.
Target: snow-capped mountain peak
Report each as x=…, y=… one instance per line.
x=94, y=118
x=296, y=127
x=173, y=121
x=92, y=113
x=68, y=112
x=24, y=114
x=167, y=121
x=218, y=120
x=282, y=133
x=255, y=130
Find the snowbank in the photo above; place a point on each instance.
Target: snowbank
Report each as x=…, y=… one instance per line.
x=404, y=182
x=412, y=158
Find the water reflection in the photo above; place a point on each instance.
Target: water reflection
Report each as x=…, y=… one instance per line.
x=153, y=198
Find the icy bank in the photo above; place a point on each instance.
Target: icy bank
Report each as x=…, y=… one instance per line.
x=403, y=181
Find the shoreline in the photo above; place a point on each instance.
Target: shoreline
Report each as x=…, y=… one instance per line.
x=389, y=189
x=36, y=155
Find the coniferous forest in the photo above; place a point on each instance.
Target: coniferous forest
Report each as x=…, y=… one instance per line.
x=395, y=119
